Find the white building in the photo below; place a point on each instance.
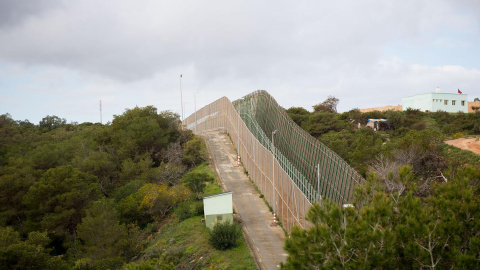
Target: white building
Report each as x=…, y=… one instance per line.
x=437, y=101
x=218, y=208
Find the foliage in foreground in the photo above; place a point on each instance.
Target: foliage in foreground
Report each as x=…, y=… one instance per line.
x=225, y=235
x=80, y=195
x=395, y=230
x=184, y=244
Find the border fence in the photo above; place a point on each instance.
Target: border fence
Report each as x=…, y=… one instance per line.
x=291, y=168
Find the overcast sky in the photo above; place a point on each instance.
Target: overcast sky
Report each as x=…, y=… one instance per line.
x=63, y=57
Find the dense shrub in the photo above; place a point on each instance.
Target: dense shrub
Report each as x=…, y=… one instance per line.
x=198, y=209
x=224, y=235
x=184, y=211
x=196, y=181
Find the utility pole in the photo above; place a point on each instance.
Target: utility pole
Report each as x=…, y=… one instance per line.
x=195, y=107
x=273, y=177
x=181, y=99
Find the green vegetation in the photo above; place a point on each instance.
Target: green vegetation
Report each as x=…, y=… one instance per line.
x=94, y=196
x=420, y=204
x=409, y=130
x=225, y=235
x=397, y=229
x=185, y=245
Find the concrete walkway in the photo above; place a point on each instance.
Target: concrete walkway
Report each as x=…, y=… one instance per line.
x=265, y=241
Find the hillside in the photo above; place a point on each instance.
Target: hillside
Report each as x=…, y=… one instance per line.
x=121, y=195
x=470, y=144
x=420, y=205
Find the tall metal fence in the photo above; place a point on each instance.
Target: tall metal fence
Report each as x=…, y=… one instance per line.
x=294, y=170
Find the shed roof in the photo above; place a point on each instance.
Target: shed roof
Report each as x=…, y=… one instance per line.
x=218, y=194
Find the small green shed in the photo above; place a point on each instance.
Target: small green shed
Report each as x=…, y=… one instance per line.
x=218, y=208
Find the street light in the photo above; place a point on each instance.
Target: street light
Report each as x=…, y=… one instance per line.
x=195, y=106
x=273, y=170
x=181, y=98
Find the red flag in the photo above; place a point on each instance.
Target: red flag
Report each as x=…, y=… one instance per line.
x=460, y=92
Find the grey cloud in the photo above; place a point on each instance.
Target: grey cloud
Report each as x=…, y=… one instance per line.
x=250, y=41
x=13, y=12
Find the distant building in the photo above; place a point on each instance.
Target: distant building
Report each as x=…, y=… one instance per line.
x=437, y=101
x=218, y=208
x=383, y=108
x=378, y=124
x=474, y=106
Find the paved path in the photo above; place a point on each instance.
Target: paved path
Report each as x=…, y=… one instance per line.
x=266, y=242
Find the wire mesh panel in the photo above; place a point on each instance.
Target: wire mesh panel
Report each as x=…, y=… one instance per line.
x=294, y=170
x=322, y=173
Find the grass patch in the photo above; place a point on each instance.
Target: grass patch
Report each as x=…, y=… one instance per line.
x=212, y=188
x=204, y=168
x=185, y=245
x=459, y=156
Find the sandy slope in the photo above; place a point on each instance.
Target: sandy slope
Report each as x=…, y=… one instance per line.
x=471, y=144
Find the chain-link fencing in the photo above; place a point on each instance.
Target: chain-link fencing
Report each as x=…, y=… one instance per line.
x=301, y=169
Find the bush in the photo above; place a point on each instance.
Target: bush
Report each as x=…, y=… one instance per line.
x=194, y=152
x=196, y=181
x=224, y=235
x=198, y=209
x=184, y=211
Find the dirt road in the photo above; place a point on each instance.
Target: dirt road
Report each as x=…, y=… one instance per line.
x=470, y=144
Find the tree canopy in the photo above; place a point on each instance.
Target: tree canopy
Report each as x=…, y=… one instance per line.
x=419, y=206
x=77, y=196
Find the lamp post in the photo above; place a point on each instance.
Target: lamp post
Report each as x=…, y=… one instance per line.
x=273, y=170
x=181, y=98
x=238, y=139
x=195, y=107
x=238, y=132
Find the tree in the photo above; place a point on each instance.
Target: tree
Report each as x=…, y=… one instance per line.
x=298, y=115
x=356, y=147
x=52, y=122
x=170, y=174
x=29, y=254
x=394, y=230
x=58, y=201
x=104, y=238
x=196, y=181
x=103, y=166
x=139, y=168
x=173, y=154
x=158, y=200
x=13, y=186
x=329, y=105
x=194, y=152
x=395, y=118
x=141, y=130
x=323, y=122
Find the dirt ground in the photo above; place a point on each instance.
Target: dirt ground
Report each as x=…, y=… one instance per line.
x=471, y=144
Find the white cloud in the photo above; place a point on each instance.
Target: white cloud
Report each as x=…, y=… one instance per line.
x=130, y=53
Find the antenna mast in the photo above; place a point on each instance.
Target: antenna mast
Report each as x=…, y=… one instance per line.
x=101, y=111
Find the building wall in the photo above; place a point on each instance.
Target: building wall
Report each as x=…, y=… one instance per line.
x=211, y=220
x=218, y=208
x=382, y=109
x=473, y=104
x=448, y=102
